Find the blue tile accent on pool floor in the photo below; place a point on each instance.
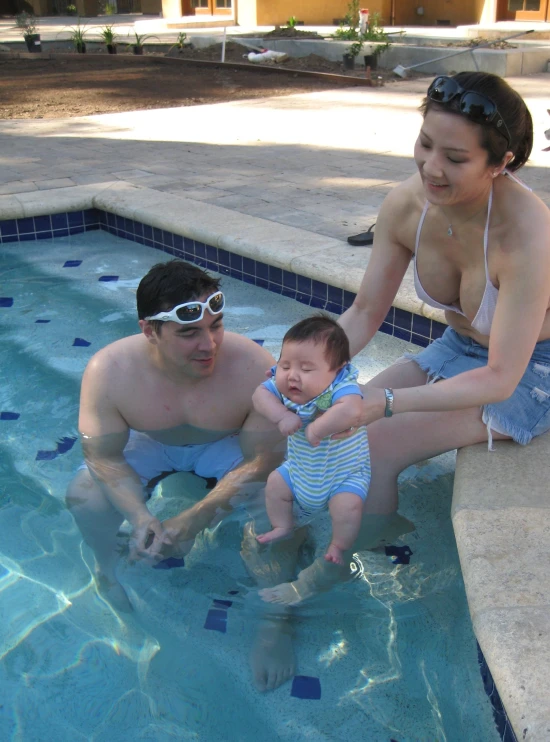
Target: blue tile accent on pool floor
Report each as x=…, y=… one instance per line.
x=9, y=415
x=81, y=343
x=304, y=686
x=216, y=620
x=399, y=323
x=170, y=563
x=63, y=445
x=402, y=554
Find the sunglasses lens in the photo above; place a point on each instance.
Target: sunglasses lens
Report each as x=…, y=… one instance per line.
x=189, y=312
x=476, y=106
x=217, y=302
x=442, y=90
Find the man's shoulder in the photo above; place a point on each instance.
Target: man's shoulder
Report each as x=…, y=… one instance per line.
x=242, y=347
x=246, y=357
x=118, y=354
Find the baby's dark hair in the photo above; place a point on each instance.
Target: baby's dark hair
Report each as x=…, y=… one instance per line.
x=168, y=284
x=511, y=107
x=322, y=329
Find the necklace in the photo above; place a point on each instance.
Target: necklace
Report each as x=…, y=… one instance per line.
x=477, y=213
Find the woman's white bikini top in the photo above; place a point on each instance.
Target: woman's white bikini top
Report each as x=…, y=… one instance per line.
x=484, y=318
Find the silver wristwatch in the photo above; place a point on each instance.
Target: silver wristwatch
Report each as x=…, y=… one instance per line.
x=388, y=412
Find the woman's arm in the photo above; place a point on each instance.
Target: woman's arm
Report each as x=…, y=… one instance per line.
x=387, y=265
x=343, y=415
x=524, y=296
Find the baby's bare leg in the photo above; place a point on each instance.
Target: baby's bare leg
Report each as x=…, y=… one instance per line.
x=345, y=510
x=278, y=503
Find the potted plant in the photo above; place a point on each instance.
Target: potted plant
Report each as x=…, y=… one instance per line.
x=375, y=32
x=349, y=31
x=26, y=23
x=108, y=35
x=71, y=10
x=351, y=54
x=78, y=33
x=181, y=43
x=137, y=45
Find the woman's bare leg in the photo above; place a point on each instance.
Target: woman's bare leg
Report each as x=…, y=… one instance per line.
x=395, y=443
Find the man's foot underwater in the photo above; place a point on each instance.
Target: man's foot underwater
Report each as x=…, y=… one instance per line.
x=272, y=656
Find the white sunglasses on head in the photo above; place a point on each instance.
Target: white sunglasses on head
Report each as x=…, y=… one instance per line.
x=192, y=311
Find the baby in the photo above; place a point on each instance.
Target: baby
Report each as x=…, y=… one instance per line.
x=312, y=395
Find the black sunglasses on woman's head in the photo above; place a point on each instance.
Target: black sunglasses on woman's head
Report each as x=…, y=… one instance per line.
x=476, y=106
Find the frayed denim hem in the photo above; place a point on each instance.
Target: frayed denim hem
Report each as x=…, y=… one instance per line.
x=491, y=419
x=496, y=423
x=433, y=376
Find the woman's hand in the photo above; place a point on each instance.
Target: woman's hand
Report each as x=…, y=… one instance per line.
x=374, y=407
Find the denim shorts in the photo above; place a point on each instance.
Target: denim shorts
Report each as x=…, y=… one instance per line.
x=522, y=416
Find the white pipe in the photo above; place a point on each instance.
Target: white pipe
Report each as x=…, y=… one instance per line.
x=223, y=43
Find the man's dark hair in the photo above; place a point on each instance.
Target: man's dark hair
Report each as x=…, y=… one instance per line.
x=322, y=329
x=168, y=284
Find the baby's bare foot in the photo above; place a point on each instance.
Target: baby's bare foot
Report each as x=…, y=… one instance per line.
x=275, y=535
x=334, y=554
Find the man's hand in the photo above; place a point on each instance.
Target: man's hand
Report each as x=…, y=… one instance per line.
x=148, y=538
x=182, y=530
x=290, y=423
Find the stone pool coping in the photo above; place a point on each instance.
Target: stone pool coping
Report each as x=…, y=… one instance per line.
x=501, y=512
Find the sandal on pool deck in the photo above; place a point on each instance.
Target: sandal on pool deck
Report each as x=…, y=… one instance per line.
x=364, y=238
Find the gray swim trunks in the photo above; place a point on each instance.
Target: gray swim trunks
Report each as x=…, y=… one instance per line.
x=151, y=459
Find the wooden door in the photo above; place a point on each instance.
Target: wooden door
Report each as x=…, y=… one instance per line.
x=211, y=7
x=525, y=10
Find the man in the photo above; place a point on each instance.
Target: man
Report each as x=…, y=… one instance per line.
x=176, y=397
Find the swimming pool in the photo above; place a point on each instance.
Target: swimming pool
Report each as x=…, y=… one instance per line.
x=393, y=652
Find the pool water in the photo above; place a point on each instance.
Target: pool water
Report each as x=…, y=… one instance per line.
x=392, y=653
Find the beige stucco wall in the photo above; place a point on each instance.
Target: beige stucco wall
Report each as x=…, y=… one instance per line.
x=312, y=12
x=458, y=12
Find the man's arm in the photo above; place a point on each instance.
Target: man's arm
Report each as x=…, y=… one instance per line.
x=343, y=415
x=263, y=449
x=104, y=434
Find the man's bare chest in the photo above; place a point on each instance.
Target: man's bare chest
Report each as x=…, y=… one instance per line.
x=151, y=405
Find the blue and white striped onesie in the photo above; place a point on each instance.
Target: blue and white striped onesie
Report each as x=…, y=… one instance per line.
x=315, y=474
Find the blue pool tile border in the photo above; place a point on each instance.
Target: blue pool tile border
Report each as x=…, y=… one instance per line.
x=399, y=323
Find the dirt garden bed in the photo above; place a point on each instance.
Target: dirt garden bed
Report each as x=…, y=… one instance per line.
x=44, y=87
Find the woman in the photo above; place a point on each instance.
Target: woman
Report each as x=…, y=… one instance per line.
x=480, y=242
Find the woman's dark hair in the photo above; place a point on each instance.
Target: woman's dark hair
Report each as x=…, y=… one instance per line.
x=511, y=107
x=322, y=329
x=168, y=284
